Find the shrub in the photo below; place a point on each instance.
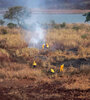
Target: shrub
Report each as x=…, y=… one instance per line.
x=57, y=26
x=53, y=24
x=11, y=25
x=63, y=25
x=76, y=28
x=84, y=36
x=4, y=31
x=2, y=22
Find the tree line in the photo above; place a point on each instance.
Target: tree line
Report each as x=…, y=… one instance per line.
x=18, y=14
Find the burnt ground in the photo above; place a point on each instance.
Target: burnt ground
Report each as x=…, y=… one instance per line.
x=74, y=62
x=29, y=90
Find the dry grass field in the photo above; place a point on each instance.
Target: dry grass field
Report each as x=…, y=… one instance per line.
x=69, y=45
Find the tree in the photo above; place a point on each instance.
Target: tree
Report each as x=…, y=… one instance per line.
x=2, y=22
x=87, y=16
x=18, y=14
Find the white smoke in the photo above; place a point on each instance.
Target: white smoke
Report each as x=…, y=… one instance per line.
x=35, y=36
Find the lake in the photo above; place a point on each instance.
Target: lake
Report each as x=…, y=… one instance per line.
x=58, y=18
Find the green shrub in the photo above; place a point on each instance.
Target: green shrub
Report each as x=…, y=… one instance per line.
x=63, y=25
x=2, y=22
x=4, y=31
x=11, y=25
x=76, y=28
x=84, y=36
x=56, y=26
x=53, y=24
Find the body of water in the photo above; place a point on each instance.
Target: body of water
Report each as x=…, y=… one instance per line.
x=58, y=18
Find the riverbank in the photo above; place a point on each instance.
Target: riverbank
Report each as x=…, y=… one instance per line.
x=54, y=11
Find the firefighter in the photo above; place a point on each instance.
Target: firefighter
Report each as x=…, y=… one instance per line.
x=34, y=64
x=61, y=68
x=52, y=70
x=45, y=46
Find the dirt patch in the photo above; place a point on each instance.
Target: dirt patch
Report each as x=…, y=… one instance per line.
x=40, y=91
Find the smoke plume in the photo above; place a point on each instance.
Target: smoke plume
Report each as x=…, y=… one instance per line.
x=35, y=36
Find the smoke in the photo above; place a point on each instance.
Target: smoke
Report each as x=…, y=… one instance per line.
x=38, y=36
x=35, y=36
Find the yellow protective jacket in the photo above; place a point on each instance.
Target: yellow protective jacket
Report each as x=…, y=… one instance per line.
x=34, y=63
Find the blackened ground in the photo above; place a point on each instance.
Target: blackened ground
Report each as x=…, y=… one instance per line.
x=74, y=62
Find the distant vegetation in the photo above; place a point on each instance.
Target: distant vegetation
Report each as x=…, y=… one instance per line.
x=53, y=24
x=87, y=16
x=2, y=22
x=19, y=14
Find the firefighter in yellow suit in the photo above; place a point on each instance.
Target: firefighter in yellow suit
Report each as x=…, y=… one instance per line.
x=61, y=68
x=34, y=64
x=45, y=46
